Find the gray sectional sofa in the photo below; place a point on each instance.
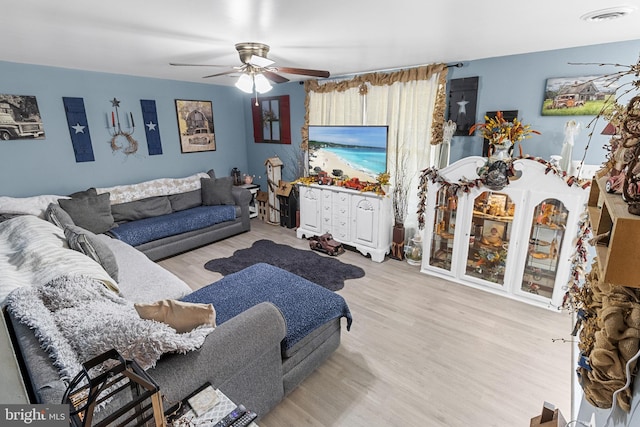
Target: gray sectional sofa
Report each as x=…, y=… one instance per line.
x=164, y=217
x=245, y=355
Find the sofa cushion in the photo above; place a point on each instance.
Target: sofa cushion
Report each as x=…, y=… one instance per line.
x=58, y=216
x=181, y=316
x=188, y=200
x=145, y=230
x=87, y=243
x=141, y=280
x=92, y=213
x=139, y=209
x=217, y=191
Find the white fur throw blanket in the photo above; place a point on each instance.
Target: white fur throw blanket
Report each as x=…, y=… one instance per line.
x=76, y=318
x=34, y=252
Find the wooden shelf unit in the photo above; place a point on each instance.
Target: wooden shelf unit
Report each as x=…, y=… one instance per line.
x=617, y=255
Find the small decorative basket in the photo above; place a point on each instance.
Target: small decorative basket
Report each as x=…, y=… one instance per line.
x=124, y=393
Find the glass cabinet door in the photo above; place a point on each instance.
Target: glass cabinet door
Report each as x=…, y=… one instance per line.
x=490, y=234
x=545, y=240
x=444, y=228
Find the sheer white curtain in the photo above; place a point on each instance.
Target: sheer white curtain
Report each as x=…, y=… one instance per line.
x=336, y=108
x=407, y=108
x=412, y=108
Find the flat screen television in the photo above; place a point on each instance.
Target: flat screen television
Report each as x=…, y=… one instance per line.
x=353, y=151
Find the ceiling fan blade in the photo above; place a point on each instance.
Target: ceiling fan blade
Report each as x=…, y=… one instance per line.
x=177, y=64
x=276, y=78
x=304, y=71
x=224, y=73
x=260, y=61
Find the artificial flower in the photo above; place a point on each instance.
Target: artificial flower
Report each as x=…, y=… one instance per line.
x=497, y=129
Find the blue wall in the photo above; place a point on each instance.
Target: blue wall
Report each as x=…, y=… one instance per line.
x=518, y=82
x=30, y=167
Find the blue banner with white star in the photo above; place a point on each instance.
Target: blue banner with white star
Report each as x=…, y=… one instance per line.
x=151, y=130
x=78, y=129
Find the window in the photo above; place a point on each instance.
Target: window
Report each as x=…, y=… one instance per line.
x=271, y=120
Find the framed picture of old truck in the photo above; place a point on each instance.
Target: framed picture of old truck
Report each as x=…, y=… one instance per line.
x=195, y=124
x=20, y=118
x=576, y=96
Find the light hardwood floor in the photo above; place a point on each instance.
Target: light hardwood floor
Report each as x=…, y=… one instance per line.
x=421, y=352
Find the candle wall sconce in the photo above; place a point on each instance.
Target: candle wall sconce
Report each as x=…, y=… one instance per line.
x=115, y=130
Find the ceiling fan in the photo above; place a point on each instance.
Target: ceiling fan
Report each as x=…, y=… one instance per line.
x=256, y=68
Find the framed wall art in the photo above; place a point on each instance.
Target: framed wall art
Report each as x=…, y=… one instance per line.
x=576, y=96
x=195, y=125
x=271, y=119
x=20, y=118
x=463, y=95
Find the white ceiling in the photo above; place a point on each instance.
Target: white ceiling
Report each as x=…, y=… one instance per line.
x=140, y=38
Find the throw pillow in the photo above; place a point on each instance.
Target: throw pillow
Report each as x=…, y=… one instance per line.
x=58, y=216
x=217, y=191
x=139, y=209
x=211, y=173
x=89, y=192
x=92, y=213
x=88, y=243
x=181, y=316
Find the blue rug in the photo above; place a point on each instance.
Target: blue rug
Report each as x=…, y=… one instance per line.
x=323, y=270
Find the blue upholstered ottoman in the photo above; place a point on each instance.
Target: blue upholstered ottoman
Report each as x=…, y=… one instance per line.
x=305, y=306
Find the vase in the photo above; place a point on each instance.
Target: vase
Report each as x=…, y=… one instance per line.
x=413, y=250
x=495, y=173
x=500, y=151
x=397, y=242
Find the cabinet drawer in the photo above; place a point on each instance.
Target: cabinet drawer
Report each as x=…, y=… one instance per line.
x=341, y=211
x=341, y=199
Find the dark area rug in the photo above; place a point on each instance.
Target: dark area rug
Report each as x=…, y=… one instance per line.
x=323, y=270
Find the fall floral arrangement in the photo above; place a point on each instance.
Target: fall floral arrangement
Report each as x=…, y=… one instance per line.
x=383, y=178
x=498, y=130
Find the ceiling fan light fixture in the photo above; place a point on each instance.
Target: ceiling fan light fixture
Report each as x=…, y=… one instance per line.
x=259, y=61
x=245, y=83
x=262, y=84
x=608, y=14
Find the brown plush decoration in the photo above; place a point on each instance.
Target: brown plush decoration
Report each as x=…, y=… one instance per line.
x=181, y=316
x=610, y=337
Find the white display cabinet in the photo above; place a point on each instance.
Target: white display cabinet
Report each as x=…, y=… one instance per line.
x=516, y=241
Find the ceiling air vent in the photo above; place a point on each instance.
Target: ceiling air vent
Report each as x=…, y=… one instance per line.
x=608, y=14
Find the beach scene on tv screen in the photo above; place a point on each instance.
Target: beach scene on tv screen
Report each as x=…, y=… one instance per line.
x=348, y=151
